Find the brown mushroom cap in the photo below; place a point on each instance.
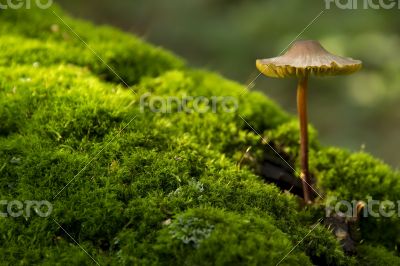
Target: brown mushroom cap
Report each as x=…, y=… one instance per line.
x=306, y=58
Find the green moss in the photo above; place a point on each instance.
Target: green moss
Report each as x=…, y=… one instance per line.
x=41, y=37
x=360, y=177
x=242, y=240
x=377, y=256
x=342, y=175
x=146, y=188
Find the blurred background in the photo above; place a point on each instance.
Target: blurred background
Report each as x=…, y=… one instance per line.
x=361, y=111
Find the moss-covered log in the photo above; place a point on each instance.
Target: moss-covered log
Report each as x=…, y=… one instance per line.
x=167, y=189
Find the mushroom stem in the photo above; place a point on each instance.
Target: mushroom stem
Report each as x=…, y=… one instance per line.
x=302, y=110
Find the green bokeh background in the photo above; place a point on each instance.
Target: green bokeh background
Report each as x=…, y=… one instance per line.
x=357, y=112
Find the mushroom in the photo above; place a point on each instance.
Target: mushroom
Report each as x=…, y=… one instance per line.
x=303, y=59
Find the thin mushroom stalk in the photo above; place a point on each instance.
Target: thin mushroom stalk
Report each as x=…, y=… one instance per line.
x=302, y=111
x=302, y=60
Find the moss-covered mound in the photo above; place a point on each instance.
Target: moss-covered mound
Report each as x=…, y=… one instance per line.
x=134, y=187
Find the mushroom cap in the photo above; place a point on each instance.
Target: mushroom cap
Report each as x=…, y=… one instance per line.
x=305, y=58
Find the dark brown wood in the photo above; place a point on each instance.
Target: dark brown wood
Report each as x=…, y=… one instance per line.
x=283, y=177
x=302, y=110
